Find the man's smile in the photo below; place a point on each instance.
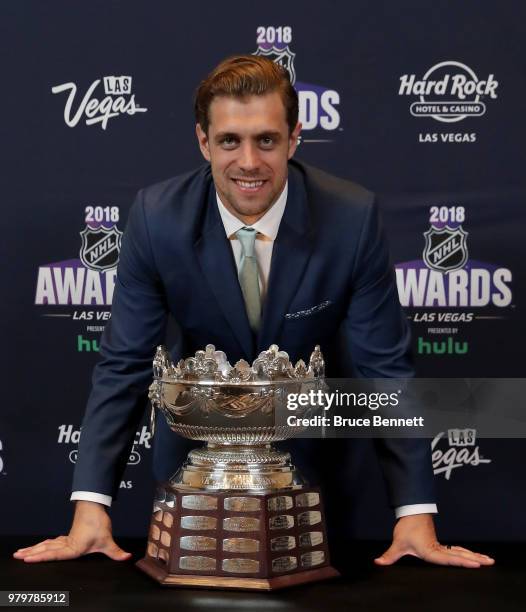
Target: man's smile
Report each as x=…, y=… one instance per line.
x=249, y=185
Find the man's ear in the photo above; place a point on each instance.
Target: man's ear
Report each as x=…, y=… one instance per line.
x=202, y=139
x=293, y=139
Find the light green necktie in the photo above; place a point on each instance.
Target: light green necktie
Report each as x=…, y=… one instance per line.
x=248, y=276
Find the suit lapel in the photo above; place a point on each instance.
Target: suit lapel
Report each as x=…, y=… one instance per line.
x=290, y=254
x=214, y=253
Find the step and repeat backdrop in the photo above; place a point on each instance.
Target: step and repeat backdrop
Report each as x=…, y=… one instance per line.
x=419, y=101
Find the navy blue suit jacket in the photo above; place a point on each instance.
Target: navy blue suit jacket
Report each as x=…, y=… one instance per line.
x=176, y=260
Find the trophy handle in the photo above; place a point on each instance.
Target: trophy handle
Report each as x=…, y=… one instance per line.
x=154, y=395
x=157, y=395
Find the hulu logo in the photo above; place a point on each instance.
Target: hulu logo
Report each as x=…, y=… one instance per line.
x=441, y=347
x=85, y=345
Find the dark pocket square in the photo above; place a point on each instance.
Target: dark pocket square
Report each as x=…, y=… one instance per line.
x=309, y=311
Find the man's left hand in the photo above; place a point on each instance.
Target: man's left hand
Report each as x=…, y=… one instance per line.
x=415, y=535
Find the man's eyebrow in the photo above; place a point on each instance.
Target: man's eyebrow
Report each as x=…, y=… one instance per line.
x=221, y=135
x=264, y=134
x=267, y=133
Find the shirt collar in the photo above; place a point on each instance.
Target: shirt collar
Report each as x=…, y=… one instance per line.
x=268, y=225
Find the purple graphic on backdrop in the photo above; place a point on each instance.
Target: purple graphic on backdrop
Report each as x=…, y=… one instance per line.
x=477, y=284
x=88, y=280
x=318, y=105
x=70, y=283
x=445, y=276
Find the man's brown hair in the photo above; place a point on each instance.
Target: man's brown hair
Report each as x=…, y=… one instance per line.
x=246, y=75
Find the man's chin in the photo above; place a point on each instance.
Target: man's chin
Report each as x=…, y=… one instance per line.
x=247, y=207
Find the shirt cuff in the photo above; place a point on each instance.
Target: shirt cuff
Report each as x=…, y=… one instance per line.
x=90, y=496
x=415, y=509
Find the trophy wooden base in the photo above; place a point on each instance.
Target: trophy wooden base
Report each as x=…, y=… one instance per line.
x=237, y=539
x=229, y=583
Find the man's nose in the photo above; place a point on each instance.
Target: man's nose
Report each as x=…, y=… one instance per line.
x=249, y=158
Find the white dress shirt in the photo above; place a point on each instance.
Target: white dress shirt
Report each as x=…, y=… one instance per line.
x=267, y=228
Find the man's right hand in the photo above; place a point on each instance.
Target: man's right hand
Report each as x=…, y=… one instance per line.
x=90, y=532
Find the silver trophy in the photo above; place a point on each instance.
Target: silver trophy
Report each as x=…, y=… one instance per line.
x=236, y=514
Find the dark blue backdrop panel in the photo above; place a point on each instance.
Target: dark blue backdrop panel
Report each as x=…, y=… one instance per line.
x=419, y=101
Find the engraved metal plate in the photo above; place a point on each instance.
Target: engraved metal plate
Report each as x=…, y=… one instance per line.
x=242, y=504
x=311, y=538
x=283, y=543
x=284, y=564
x=307, y=500
x=155, y=532
x=241, y=523
x=281, y=521
x=166, y=538
x=153, y=549
x=240, y=566
x=197, y=563
x=312, y=558
x=312, y=517
x=199, y=502
x=197, y=543
x=244, y=545
x=198, y=522
x=170, y=500
x=253, y=480
x=283, y=502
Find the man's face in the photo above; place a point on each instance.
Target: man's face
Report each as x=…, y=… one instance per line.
x=248, y=146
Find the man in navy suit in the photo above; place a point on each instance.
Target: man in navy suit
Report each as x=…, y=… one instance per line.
x=250, y=250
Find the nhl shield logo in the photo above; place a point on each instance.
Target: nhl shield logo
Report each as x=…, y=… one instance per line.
x=445, y=249
x=282, y=56
x=100, y=248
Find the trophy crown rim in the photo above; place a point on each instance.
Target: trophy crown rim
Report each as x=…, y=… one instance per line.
x=211, y=368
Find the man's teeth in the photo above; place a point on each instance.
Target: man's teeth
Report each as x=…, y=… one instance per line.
x=249, y=184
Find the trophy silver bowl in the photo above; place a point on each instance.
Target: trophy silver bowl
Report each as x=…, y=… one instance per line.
x=237, y=410
x=236, y=514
